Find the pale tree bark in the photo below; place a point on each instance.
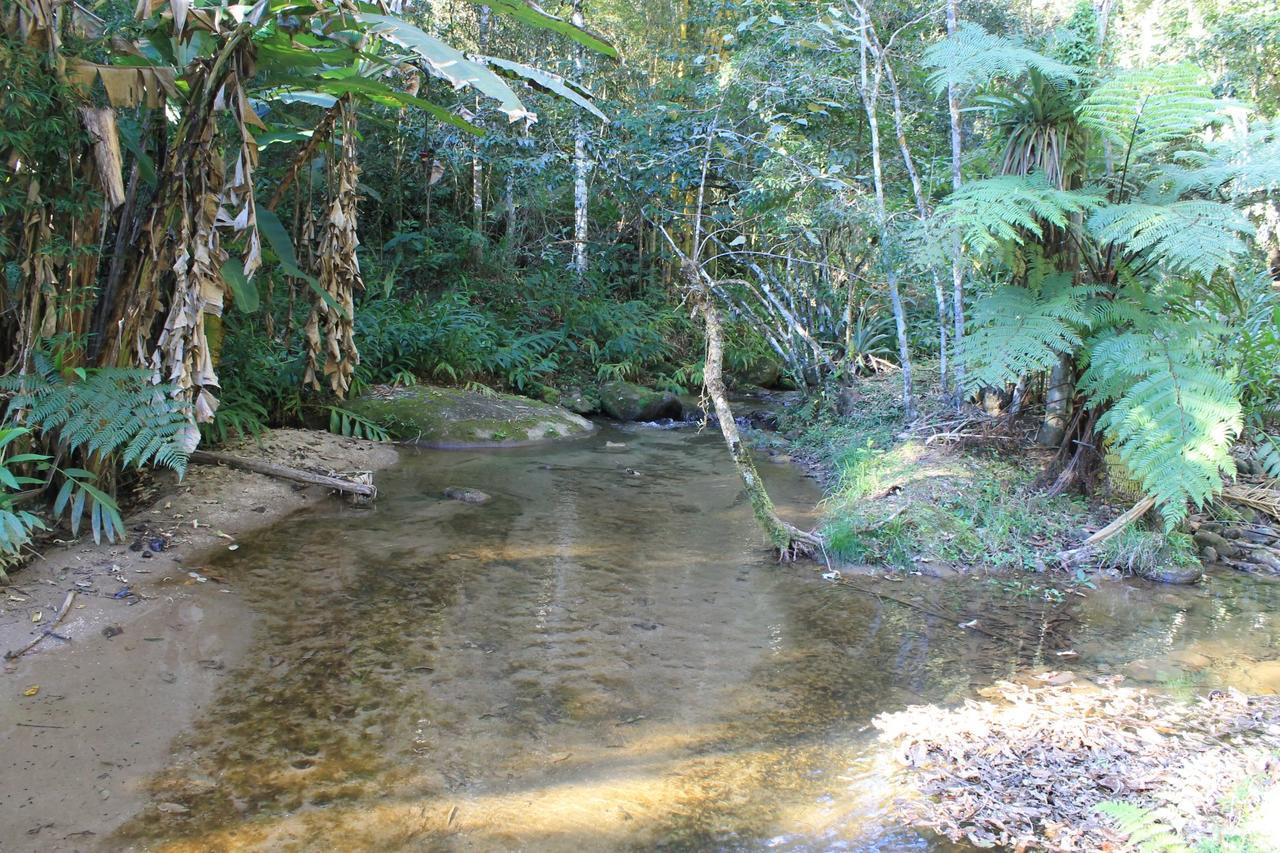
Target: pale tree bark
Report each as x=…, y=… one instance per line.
x=477, y=165
x=922, y=210
x=957, y=270
x=790, y=541
x=581, y=163
x=870, y=86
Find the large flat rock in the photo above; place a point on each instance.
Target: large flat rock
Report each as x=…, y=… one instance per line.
x=455, y=417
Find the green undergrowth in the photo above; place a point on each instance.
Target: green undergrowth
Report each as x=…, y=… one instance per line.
x=897, y=501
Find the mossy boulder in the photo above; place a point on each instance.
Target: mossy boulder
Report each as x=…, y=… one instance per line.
x=453, y=417
x=581, y=401
x=626, y=401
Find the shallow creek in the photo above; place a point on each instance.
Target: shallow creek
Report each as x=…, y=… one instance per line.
x=603, y=657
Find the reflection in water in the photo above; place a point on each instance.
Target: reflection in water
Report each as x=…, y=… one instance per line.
x=602, y=657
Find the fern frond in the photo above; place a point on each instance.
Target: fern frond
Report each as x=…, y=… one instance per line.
x=1009, y=208
x=102, y=412
x=1018, y=331
x=1145, y=830
x=971, y=58
x=1174, y=411
x=1240, y=164
x=1145, y=110
x=1190, y=237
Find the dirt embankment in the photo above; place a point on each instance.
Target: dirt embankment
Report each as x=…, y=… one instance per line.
x=90, y=711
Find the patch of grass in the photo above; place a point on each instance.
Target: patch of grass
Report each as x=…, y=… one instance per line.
x=1138, y=551
x=896, y=502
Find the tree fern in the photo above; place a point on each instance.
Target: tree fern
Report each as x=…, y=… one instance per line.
x=1009, y=209
x=971, y=57
x=102, y=412
x=1143, y=111
x=1186, y=237
x=1144, y=830
x=1240, y=165
x=1173, y=413
x=1018, y=331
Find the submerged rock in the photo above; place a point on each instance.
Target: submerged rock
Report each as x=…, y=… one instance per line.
x=466, y=496
x=626, y=401
x=454, y=417
x=1173, y=574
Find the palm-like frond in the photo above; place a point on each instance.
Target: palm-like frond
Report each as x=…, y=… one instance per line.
x=1009, y=208
x=102, y=412
x=1174, y=409
x=971, y=57
x=1018, y=331
x=1146, y=110
x=1188, y=237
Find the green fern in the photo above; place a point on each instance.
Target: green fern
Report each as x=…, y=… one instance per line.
x=971, y=57
x=1144, y=830
x=1267, y=452
x=238, y=416
x=1021, y=331
x=351, y=425
x=1174, y=410
x=1146, y=110
x=16, y=525
x=1009, y=209
x=1187, y=237
x=100, y=413
x=1239, y=165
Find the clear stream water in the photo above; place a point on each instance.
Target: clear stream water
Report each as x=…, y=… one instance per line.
x=604, y=658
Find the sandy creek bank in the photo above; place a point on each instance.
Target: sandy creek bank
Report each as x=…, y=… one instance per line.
x=78, y=753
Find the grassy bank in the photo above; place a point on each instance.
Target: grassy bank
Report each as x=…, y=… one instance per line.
x=918, y=501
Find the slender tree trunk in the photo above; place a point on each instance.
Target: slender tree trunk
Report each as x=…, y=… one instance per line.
x=477, y=165
x=957, y=270
x=581, y=164
x=870, y=96
x=790, y=541
x=922, y=209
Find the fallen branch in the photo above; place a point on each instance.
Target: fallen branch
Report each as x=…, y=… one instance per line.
x=62, y=614
x=1086, y=547
x=283, y=472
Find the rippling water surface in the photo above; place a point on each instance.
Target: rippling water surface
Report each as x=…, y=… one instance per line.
x=603, y=657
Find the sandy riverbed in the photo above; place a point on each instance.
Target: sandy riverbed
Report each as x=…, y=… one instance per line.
x=146, y=646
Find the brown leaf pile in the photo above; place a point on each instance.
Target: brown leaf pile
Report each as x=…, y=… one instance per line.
x=1027, y=770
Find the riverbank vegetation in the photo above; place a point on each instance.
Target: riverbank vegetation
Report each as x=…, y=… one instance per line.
x=261, y=211
x=1016, y=266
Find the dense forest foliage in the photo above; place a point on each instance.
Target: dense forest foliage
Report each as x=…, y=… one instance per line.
x=217, y=217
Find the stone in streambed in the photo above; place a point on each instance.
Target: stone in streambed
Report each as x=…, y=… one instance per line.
x=626, y=401
x=466, y=496
x=455, y=417
x=1173, y=574
x=1208, y=539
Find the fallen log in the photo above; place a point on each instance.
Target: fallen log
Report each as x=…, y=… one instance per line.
x=283, y=472
x=1086, y=547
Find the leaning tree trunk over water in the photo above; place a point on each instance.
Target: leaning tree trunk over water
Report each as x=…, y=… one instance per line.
x=790, y=541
